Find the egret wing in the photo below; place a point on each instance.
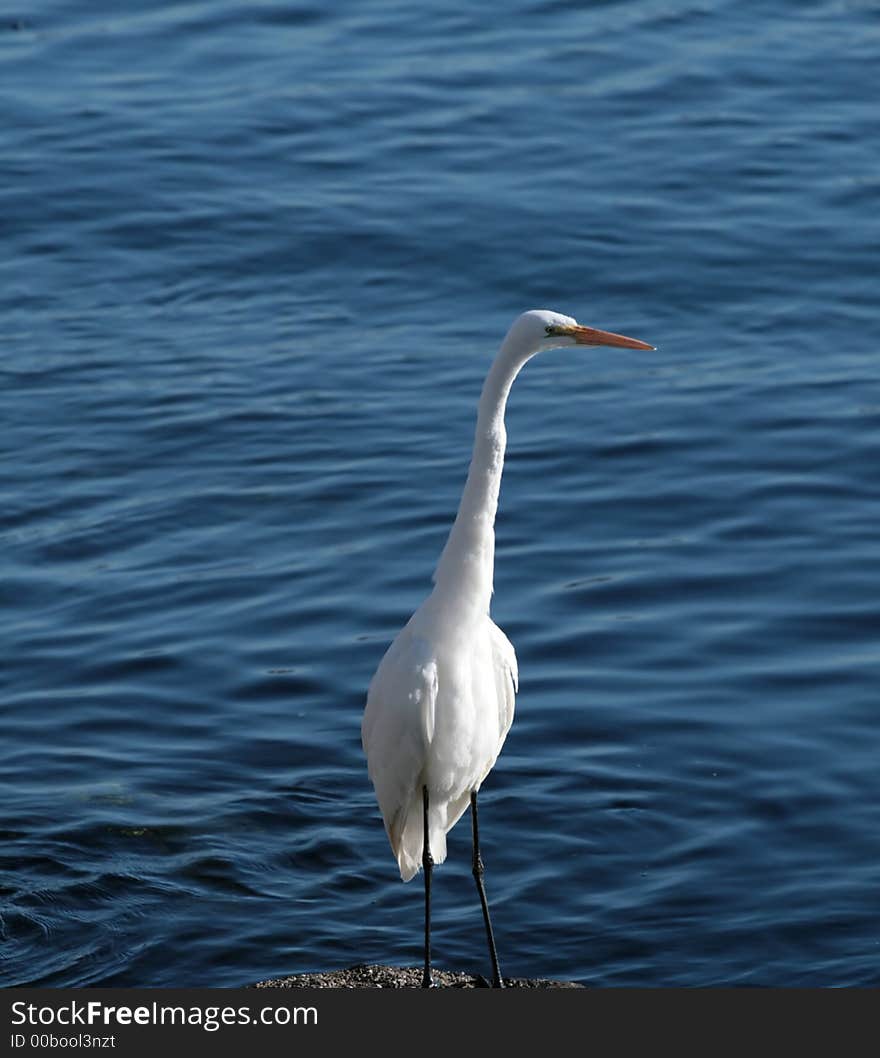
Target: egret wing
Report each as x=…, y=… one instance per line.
x=506, y=679
x=397, y=729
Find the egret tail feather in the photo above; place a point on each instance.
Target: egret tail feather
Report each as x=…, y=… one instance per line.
x=406, y=839
x=408, y=846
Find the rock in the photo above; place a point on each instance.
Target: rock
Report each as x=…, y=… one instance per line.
x=364, y=976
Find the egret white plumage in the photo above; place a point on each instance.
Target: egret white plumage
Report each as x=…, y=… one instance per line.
x=441, y=702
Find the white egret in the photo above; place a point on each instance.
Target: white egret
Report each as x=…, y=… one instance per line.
x=441, y=702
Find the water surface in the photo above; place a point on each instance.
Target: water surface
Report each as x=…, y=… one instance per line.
x=256, y=259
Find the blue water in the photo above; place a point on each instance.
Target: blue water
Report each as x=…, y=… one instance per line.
x=256, y=258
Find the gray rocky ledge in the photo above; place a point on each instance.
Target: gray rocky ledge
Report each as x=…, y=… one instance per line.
x=399, y=977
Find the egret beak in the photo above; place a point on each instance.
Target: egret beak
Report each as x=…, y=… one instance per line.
x=593, y=336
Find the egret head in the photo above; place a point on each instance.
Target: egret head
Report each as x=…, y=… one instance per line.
x=540, y=329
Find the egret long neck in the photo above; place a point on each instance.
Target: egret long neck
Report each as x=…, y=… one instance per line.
x=466, y=567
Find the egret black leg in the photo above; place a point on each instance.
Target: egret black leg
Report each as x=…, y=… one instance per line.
x=428, y=867
x=481, y=889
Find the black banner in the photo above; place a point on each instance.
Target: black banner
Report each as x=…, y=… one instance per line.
x=266, y=1022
